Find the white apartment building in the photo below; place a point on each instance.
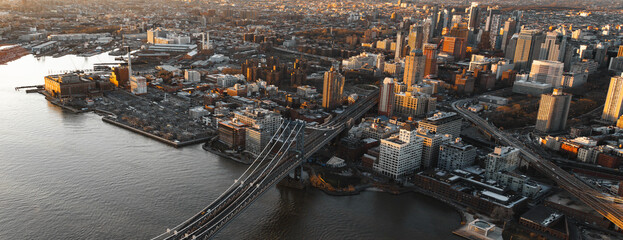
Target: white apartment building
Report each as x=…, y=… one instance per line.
x=400, y=155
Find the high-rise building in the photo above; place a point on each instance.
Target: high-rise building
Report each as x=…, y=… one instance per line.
x=386, y=101
x=455, y=46
x=501, y=159
x=332, y=89
x=614, y=100
x=399, y=45
x=434, y=21
x=528, y=48
x=447, y=19
x=430, y=54
x=601, y=54
x=443, y=123
x=414, y=67
x=620, y=54
x=430, y=146
x=259, y=117
x=509, y=29
x=553, y=111
x=493, y=26
x=427, y=29
x=474, y=16
x=616, y=64
x=549, y=72
x=494, y=20
x=456, y=155
x=573, y=79
x=400, y=155
x=554, y=47
x=413, y=105
x=416, y=37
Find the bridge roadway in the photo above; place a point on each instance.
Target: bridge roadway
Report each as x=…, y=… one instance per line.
x=246, y=190
x=594, y=199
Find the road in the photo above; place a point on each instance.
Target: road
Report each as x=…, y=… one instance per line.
x=576, y=187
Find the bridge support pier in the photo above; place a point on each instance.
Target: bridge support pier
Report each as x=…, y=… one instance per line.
x=298, y=173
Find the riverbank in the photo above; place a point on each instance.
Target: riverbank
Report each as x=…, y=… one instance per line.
x=376, y=183
x=236, y=158
x=175, y=143
x=111, y=117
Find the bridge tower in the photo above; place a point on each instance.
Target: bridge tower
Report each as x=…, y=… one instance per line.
x=300, y=138
x=299, y=147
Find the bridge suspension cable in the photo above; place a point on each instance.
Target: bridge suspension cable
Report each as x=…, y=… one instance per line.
x=252, y=190
x=193, y=219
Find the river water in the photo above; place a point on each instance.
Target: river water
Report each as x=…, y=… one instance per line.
x=72, y=176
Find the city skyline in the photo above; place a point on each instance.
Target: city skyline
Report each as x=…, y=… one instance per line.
x=399, y=119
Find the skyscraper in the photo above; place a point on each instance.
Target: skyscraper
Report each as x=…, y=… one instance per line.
x=428, y=30
x=399, y=45
x=447, y=19
x=380, y=62
x=414, y=67
x=416, y=37
x=509, y=29
x=474, y=18
x=510, y=47
x=553, y=111
x=434, y=21
x=549, y=72
x=386, y=101
x=494, y=20
x=430, y=53
x=614, y=100
x=553, y=48
x=332, y=89
x=528, y=48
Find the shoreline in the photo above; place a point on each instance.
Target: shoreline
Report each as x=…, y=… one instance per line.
x=222, y=154
x=462, y=211
x=175, y=144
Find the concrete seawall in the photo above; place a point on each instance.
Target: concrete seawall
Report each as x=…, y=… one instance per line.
x=161, y=139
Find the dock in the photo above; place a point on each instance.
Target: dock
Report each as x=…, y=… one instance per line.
x=32, y=86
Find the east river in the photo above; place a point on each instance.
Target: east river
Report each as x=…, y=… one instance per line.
x=72, y=176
